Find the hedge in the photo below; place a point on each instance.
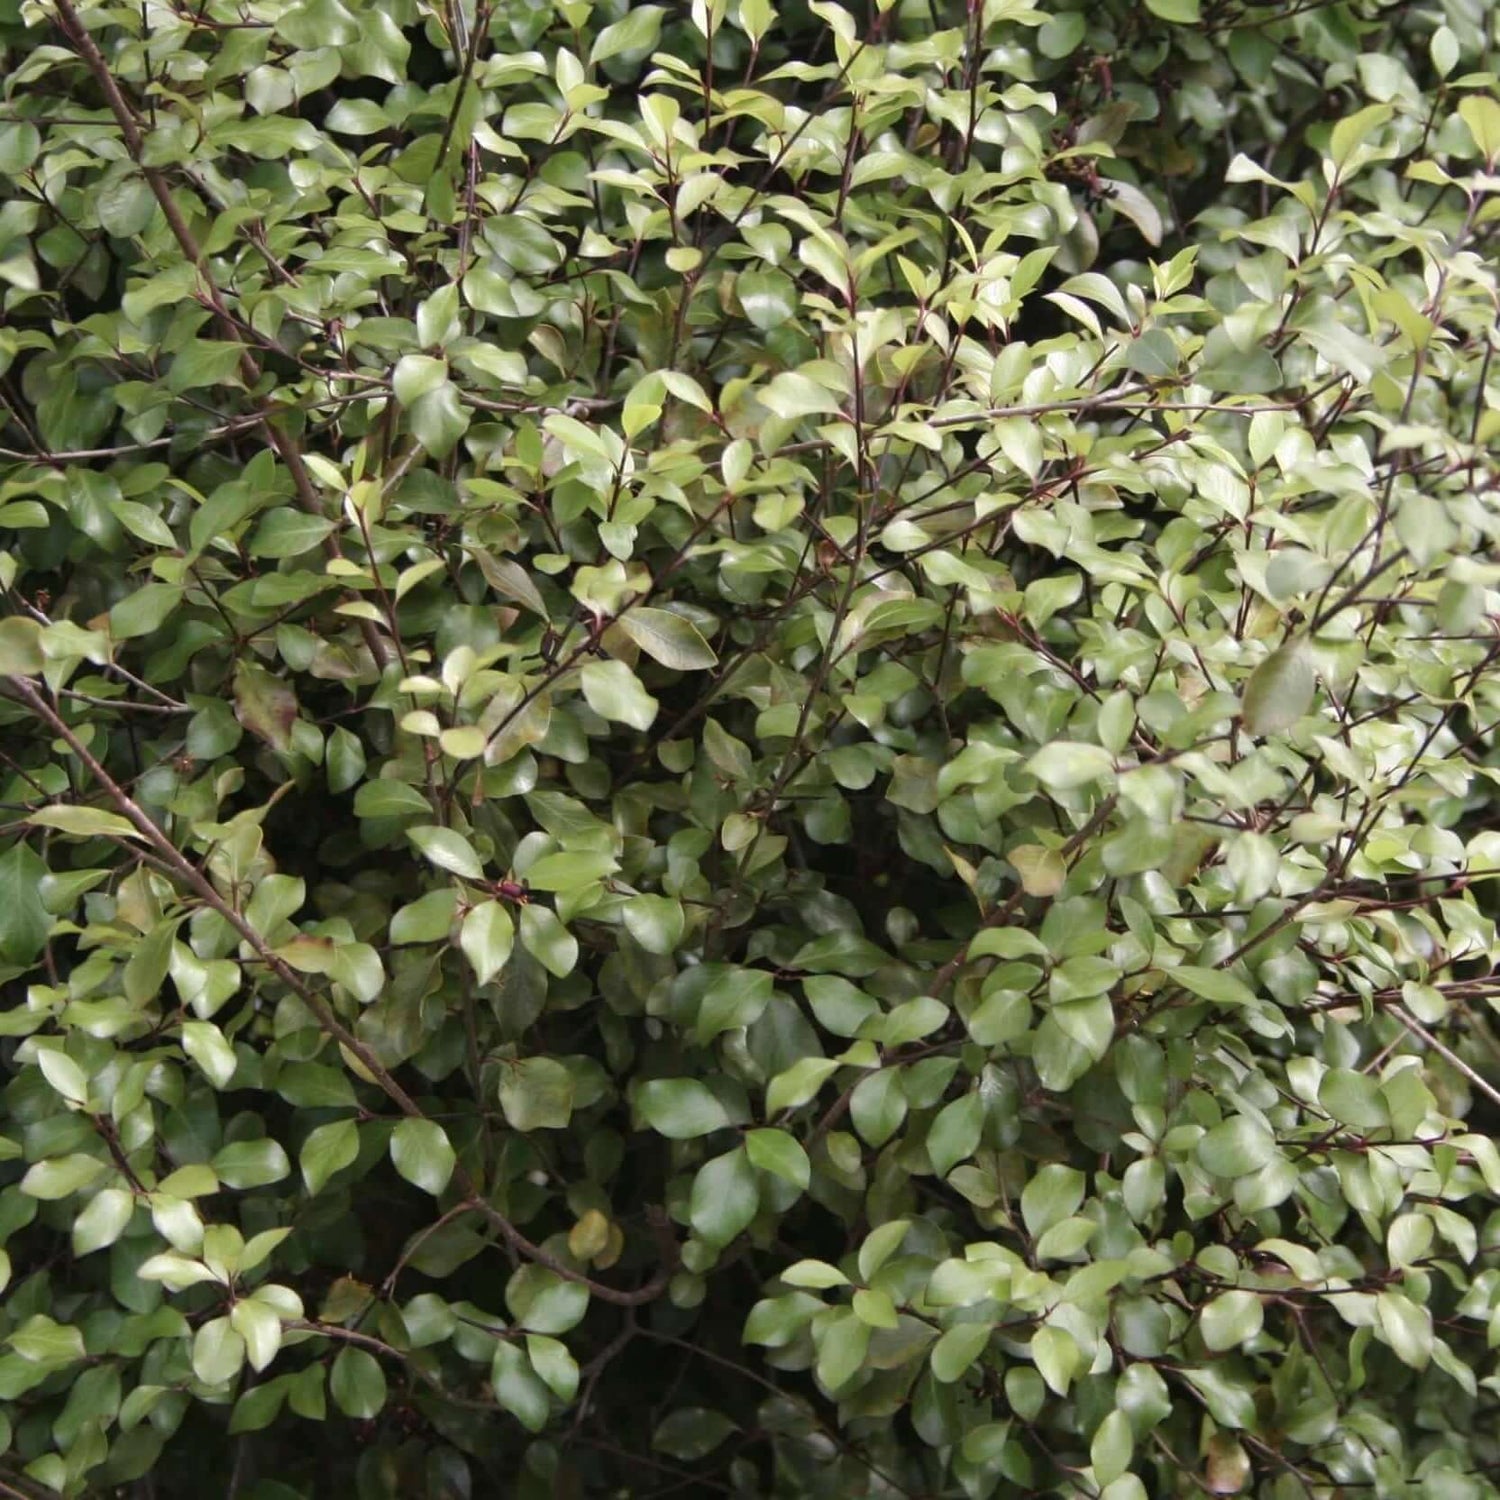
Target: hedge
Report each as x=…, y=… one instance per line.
x=749, y=751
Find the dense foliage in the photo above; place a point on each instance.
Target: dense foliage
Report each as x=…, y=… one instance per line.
x=749, y=753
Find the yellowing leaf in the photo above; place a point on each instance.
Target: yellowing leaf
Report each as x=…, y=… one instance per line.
x=1481, y=113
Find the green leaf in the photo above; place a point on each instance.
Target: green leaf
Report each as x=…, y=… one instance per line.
x=679, y=1108
x=42, y=1340
x=313, y=1086
x=1243, y=372
x=1056, y=1356
x=799, y=1083
x=260, y=1327
x=356, y=117
x=204, y=362
x=565, y=871
x=62, y=1176
x=1061, y=34
x=547, y=940
x=735, y=997
x=428, y=919
x=174, y=1271
x=1481, y=113
x=1217, y=985
x=1142, y=1395
x=487, y=937
x=957, y=1349
x=614, y=692
x=1444, y=50
x=290, y=533
x=328, y=1149
x=1237, y=1147
x=437, y=316
x=218, y=1352
x=768, y=297
x=84, y=822
x=1354, y=1099
x=668, y=638
x=544, y=1302
x=345, y=759
x=511, y=581
x=841, y=1350
x=421, y=1153
x=447, y=850
x=357, y=1383
x=1406, y=1327
x=878, y=1106
x=1064, y=765
x=20, y=144
x=1409, y=1239
x=724, y=1198
x=439, y=419
x=1182, y=12
x=657, y=923
x=103, y=1220
x=691, y=1433
x=356, y=966
x=912, y=1020
x=211, y=1050
x=195, y=1180
x=557, y=1368
x=1230, y=1403
x=880, y=1244
x=536, y=1093
x=954, y=1134
x=781, y=1154
x=815, y=1274
x=388, y=798
x=251, y=1164
x=875, y=1307
x=494, y=291
x=526, y=245
x=792, y=395
x=1043, y=872
x=1231, y=1319
x=428, y=1319
x=1153, y=353
x=636, y=32
x=1054, y=1192
x=64, y=1075
x=20, y=647
x=1279, y=691
x=258, y=1407
x=1111, y=1448
x=466, y=742
x=316, y=23
x=518, y=1388
x=1351, y=133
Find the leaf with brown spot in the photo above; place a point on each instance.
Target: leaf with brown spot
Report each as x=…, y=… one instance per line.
x=265, y=705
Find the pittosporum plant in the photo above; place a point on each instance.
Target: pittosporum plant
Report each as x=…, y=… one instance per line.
x=749, y=752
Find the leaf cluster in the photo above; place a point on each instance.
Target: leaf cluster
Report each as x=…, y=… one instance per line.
x=747, y=749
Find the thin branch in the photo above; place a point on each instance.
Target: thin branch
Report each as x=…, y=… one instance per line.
x=1418, y=1030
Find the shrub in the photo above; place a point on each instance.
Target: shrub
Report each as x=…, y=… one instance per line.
x=749, y=753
